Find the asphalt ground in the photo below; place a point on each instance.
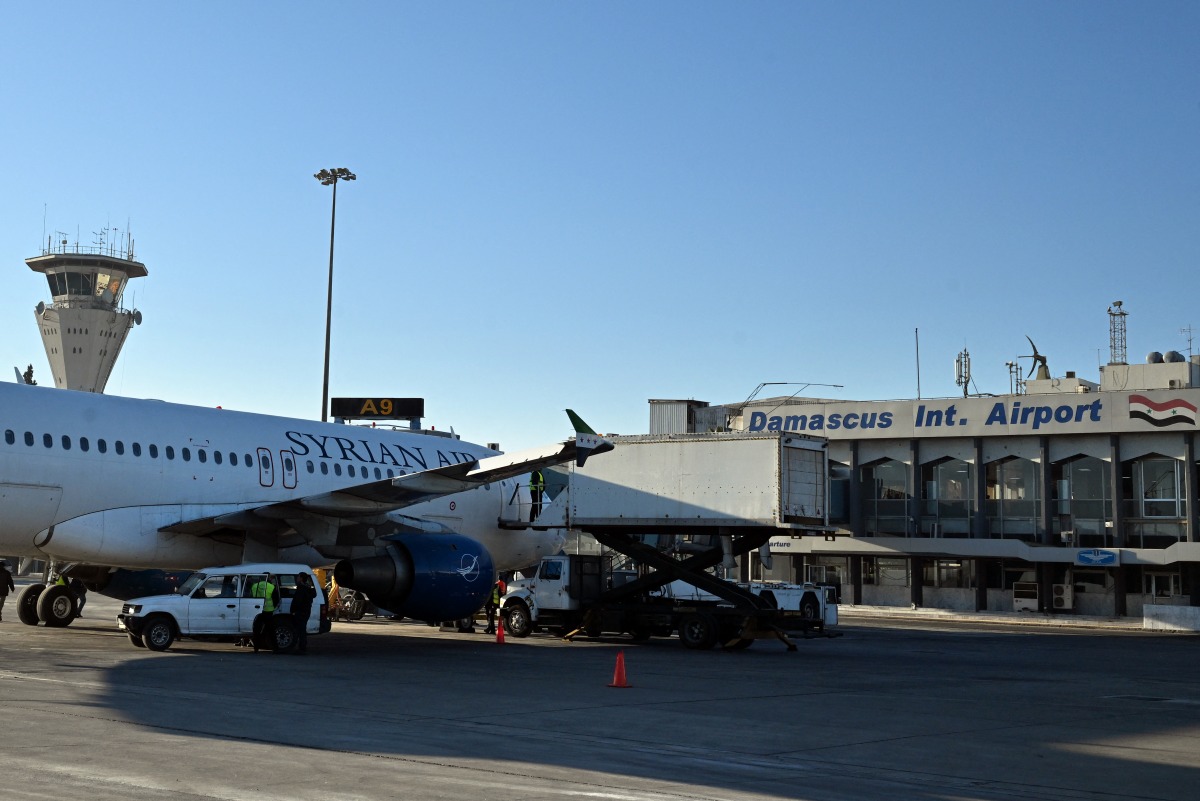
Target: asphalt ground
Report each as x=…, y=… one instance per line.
x=900, y=707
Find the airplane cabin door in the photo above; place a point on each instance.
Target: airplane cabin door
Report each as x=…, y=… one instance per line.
x=288, y=460
x=266, y=468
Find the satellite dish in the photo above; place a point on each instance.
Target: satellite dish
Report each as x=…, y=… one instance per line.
x=137, y=318
x=41, y=308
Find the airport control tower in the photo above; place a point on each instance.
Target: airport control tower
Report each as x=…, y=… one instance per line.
x=85, y=325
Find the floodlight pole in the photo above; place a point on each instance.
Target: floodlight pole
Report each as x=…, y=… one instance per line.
x=327, y=177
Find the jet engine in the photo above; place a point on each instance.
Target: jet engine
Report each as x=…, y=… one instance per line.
x=430, y=577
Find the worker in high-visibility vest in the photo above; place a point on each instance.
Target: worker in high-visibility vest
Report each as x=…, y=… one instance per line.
x=537, y=485
x=263, y=630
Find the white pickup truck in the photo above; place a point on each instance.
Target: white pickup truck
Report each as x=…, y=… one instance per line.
x=215, y=604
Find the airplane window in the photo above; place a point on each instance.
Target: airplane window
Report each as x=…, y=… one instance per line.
x=83, y=444
x=29, y=438
x=390, y=473
x=186, y=453
x=350, y=470
x=202, y=456
x=102, y=446
x=217, y=457
x=337, y=468
x=10, y=437
x=378, y=474
x=48, y=440
x=288, y=465
x=120, y=447
x=233, y=459
x=170, y=452
x=324, y=469
x=310, y=465
x=153, y=451
x=266, y=462
x=66, y=442
x=137, y=449
x=249, y=461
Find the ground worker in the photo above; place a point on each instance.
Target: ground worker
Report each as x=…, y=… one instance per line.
x=263, y=630
x=537, y=485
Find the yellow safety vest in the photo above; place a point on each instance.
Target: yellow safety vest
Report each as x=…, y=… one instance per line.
x=266, y=591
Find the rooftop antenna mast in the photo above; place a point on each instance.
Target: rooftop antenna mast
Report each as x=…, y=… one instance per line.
x=1187, y=332
x=962, y=371
x=1116, y=333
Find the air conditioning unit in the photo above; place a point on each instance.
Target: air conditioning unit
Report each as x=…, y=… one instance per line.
x=1063, y=597
x=1175, y=383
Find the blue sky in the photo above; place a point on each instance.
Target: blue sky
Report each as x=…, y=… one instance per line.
x=592, y=204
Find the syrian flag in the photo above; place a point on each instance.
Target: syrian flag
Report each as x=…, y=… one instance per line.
x=1170, y=413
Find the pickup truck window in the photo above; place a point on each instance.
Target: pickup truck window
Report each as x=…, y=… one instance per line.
x=551, y=569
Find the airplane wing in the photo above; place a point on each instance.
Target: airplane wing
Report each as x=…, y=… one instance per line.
x=390, y=494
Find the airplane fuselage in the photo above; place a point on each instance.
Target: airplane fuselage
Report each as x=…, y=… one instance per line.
x=118, y=481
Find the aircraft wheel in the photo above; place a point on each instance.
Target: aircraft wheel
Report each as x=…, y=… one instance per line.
x=136, y=640
x=27, y=603
x=284, y=640
x=516, y=619
x=698, y=631
x=158, y=633
x=56, y=606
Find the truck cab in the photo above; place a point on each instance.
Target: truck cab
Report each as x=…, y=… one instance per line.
x=216, y=604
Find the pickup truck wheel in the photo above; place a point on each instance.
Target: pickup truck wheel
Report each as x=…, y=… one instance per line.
x=698, y=631
x=158, y=633
x=56, y=606
x=284, y=640
x=136, y=640
x=27, y=603
x=516, y=619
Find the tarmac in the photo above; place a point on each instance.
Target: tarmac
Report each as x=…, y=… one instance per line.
x=907, y=705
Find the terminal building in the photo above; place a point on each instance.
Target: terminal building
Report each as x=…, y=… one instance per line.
x=1070, y=497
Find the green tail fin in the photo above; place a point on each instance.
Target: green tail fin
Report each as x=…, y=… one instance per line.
x=580, y=426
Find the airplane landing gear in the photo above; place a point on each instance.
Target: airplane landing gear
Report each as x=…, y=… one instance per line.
x=53, y=605
x=56, y=606
x=27, y=603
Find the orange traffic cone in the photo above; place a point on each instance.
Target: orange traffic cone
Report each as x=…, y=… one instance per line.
x=619, y=673
x=500, y=629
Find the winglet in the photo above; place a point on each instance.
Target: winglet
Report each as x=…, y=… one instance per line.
x=577, y=421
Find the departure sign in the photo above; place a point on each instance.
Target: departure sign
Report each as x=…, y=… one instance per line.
x=377, y=408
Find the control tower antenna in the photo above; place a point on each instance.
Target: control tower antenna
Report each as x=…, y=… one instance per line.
x=1116, y=333
x=85, y=325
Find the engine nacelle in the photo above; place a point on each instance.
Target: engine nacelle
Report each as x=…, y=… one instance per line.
x=430, y=577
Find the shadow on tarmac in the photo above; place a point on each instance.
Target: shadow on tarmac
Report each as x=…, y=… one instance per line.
x=927, y=713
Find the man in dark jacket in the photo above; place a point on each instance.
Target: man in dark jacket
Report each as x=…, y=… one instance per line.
x=6, y=585
x=302, y=602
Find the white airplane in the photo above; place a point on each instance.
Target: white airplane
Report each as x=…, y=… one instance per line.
x=419, y=522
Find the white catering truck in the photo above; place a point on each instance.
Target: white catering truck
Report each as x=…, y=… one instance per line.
x=215, y=604
x=580, y=593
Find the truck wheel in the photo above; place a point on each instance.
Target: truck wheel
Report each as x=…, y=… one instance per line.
x=698, y=631
x=639, y=633
x=56, y=606
x=136, y=640
x=517, y=620
x=158, y=633
x=810, y=609
x=284, y=639
x=27, y=602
